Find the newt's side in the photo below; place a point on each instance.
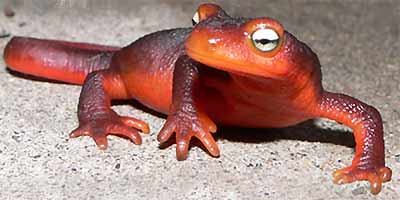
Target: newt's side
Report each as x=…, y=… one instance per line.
x=231, y=71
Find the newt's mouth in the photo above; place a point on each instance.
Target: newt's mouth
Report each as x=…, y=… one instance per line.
x=217, y=63
x=227, y=65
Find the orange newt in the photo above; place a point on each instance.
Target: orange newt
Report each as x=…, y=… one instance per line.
x=230, y=71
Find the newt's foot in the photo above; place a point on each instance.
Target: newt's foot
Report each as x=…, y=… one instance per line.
x=111, y=123
x=185, y=128
x=375, y=176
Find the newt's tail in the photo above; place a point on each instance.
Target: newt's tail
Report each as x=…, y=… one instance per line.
x=57, y=60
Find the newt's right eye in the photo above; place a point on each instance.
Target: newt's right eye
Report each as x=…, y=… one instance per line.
x=265, y=39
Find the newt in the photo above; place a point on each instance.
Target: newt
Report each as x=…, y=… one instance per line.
x=224, y=70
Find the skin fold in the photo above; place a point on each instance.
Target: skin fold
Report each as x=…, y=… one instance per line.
x=226, y=71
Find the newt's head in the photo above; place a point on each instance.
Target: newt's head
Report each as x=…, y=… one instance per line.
x=257, y=46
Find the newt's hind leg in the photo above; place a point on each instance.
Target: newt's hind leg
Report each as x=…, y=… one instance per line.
x=96, y=118
x=369, y=161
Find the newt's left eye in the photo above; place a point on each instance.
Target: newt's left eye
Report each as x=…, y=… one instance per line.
x=265, y=39
x=196, y=18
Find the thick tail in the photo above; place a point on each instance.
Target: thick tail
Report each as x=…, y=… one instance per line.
x=57, y=60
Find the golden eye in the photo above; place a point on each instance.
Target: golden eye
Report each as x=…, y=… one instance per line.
x=265, y=39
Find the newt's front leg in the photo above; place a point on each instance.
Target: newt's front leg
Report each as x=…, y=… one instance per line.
x=96, y=118
x=187, y=117
x=369, y=161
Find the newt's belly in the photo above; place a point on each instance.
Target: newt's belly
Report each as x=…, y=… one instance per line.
x=265, y=104
x=267, y=114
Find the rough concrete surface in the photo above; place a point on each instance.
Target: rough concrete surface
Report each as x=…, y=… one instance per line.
x=358, y=43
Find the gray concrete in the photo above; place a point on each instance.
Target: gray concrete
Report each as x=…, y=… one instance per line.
x=358, y=43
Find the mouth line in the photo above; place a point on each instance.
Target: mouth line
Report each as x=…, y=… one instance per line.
x=216, y=63
x=221, y=65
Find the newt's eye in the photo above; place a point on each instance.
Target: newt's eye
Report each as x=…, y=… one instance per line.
x=196, y=18
x=265, y=39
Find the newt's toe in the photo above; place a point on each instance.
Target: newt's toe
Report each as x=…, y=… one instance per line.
x=375, y=176
x=111, y=124
x=101, y=142
x=208, y=141
x=182, y=150
x=80, y=131
x=137, y=124
x=185, y=130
